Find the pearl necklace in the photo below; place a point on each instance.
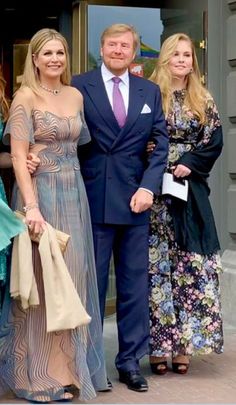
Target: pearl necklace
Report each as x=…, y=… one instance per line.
x=55, y=92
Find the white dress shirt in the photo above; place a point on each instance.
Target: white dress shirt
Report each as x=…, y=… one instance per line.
x=123, y=86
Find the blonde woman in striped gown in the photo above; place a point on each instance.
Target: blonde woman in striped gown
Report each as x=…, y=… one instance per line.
x=46, y=118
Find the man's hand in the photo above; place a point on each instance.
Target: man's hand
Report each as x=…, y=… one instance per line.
x=32, y=163
x=141, y=201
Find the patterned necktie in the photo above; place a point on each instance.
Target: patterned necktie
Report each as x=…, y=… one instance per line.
x=118, y=103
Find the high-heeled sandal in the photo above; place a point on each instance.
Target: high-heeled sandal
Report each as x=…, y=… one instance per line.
x=159, y=368
x=180, y=368
x=67, y=396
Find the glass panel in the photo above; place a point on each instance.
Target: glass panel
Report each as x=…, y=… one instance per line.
x=19, y=55
x=100, y=17
x=161, y=24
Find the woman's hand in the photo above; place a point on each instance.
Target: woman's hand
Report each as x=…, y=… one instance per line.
x=181, y=171
x=32, y=162
x=150, y=147
x=35, y=221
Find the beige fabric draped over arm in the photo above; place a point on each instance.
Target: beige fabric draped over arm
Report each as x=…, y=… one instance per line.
x=63, y=305
x=64, y=309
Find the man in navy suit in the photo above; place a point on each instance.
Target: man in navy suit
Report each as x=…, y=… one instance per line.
x=120, y=181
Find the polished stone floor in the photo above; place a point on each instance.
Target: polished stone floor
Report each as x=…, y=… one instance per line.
x=211, y=379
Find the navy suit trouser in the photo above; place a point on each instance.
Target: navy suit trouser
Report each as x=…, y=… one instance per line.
x=129, y=246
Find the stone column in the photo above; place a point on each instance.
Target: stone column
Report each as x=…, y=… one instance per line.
x=229, y=254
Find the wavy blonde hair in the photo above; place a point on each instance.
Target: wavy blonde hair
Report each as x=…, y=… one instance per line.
x=4, y=105
x=31, y=75
x=196, y=94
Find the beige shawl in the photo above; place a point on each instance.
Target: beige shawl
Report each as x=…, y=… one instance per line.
x=64, y=309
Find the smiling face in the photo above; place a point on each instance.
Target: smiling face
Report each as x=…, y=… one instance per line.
x=50, y=60
x=118, y=52
x=181, y=62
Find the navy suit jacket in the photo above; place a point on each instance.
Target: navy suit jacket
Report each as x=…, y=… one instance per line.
x=115, y=164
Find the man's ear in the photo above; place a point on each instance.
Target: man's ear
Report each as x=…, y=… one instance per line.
x=101, y=52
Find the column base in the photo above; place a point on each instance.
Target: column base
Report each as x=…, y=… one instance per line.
x=228, y=288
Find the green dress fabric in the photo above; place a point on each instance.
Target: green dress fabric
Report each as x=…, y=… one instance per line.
x=3, y=246
x=10, y=226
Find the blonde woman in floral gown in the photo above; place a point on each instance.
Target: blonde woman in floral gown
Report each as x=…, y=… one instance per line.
x=184, y=264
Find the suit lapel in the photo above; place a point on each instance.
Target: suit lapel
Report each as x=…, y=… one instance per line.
x=136, y=101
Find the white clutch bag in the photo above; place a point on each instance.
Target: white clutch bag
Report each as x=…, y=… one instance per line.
x=177, y=187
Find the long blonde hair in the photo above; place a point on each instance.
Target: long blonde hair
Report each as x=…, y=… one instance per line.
x=31, y=75
x=196, y=94
x=4, y=106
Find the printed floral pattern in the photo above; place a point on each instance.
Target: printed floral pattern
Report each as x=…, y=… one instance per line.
x=185, y=311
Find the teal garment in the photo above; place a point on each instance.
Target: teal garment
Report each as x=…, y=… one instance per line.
x=3, y=250
x=10, y=226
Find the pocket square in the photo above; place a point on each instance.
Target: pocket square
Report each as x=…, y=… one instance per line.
x=146, y=109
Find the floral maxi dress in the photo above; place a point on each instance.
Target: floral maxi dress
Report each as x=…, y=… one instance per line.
x=185, y=312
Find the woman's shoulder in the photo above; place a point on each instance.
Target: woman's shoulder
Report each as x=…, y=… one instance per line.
x=74, y=97
x=74, y=92
x=24, y=95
